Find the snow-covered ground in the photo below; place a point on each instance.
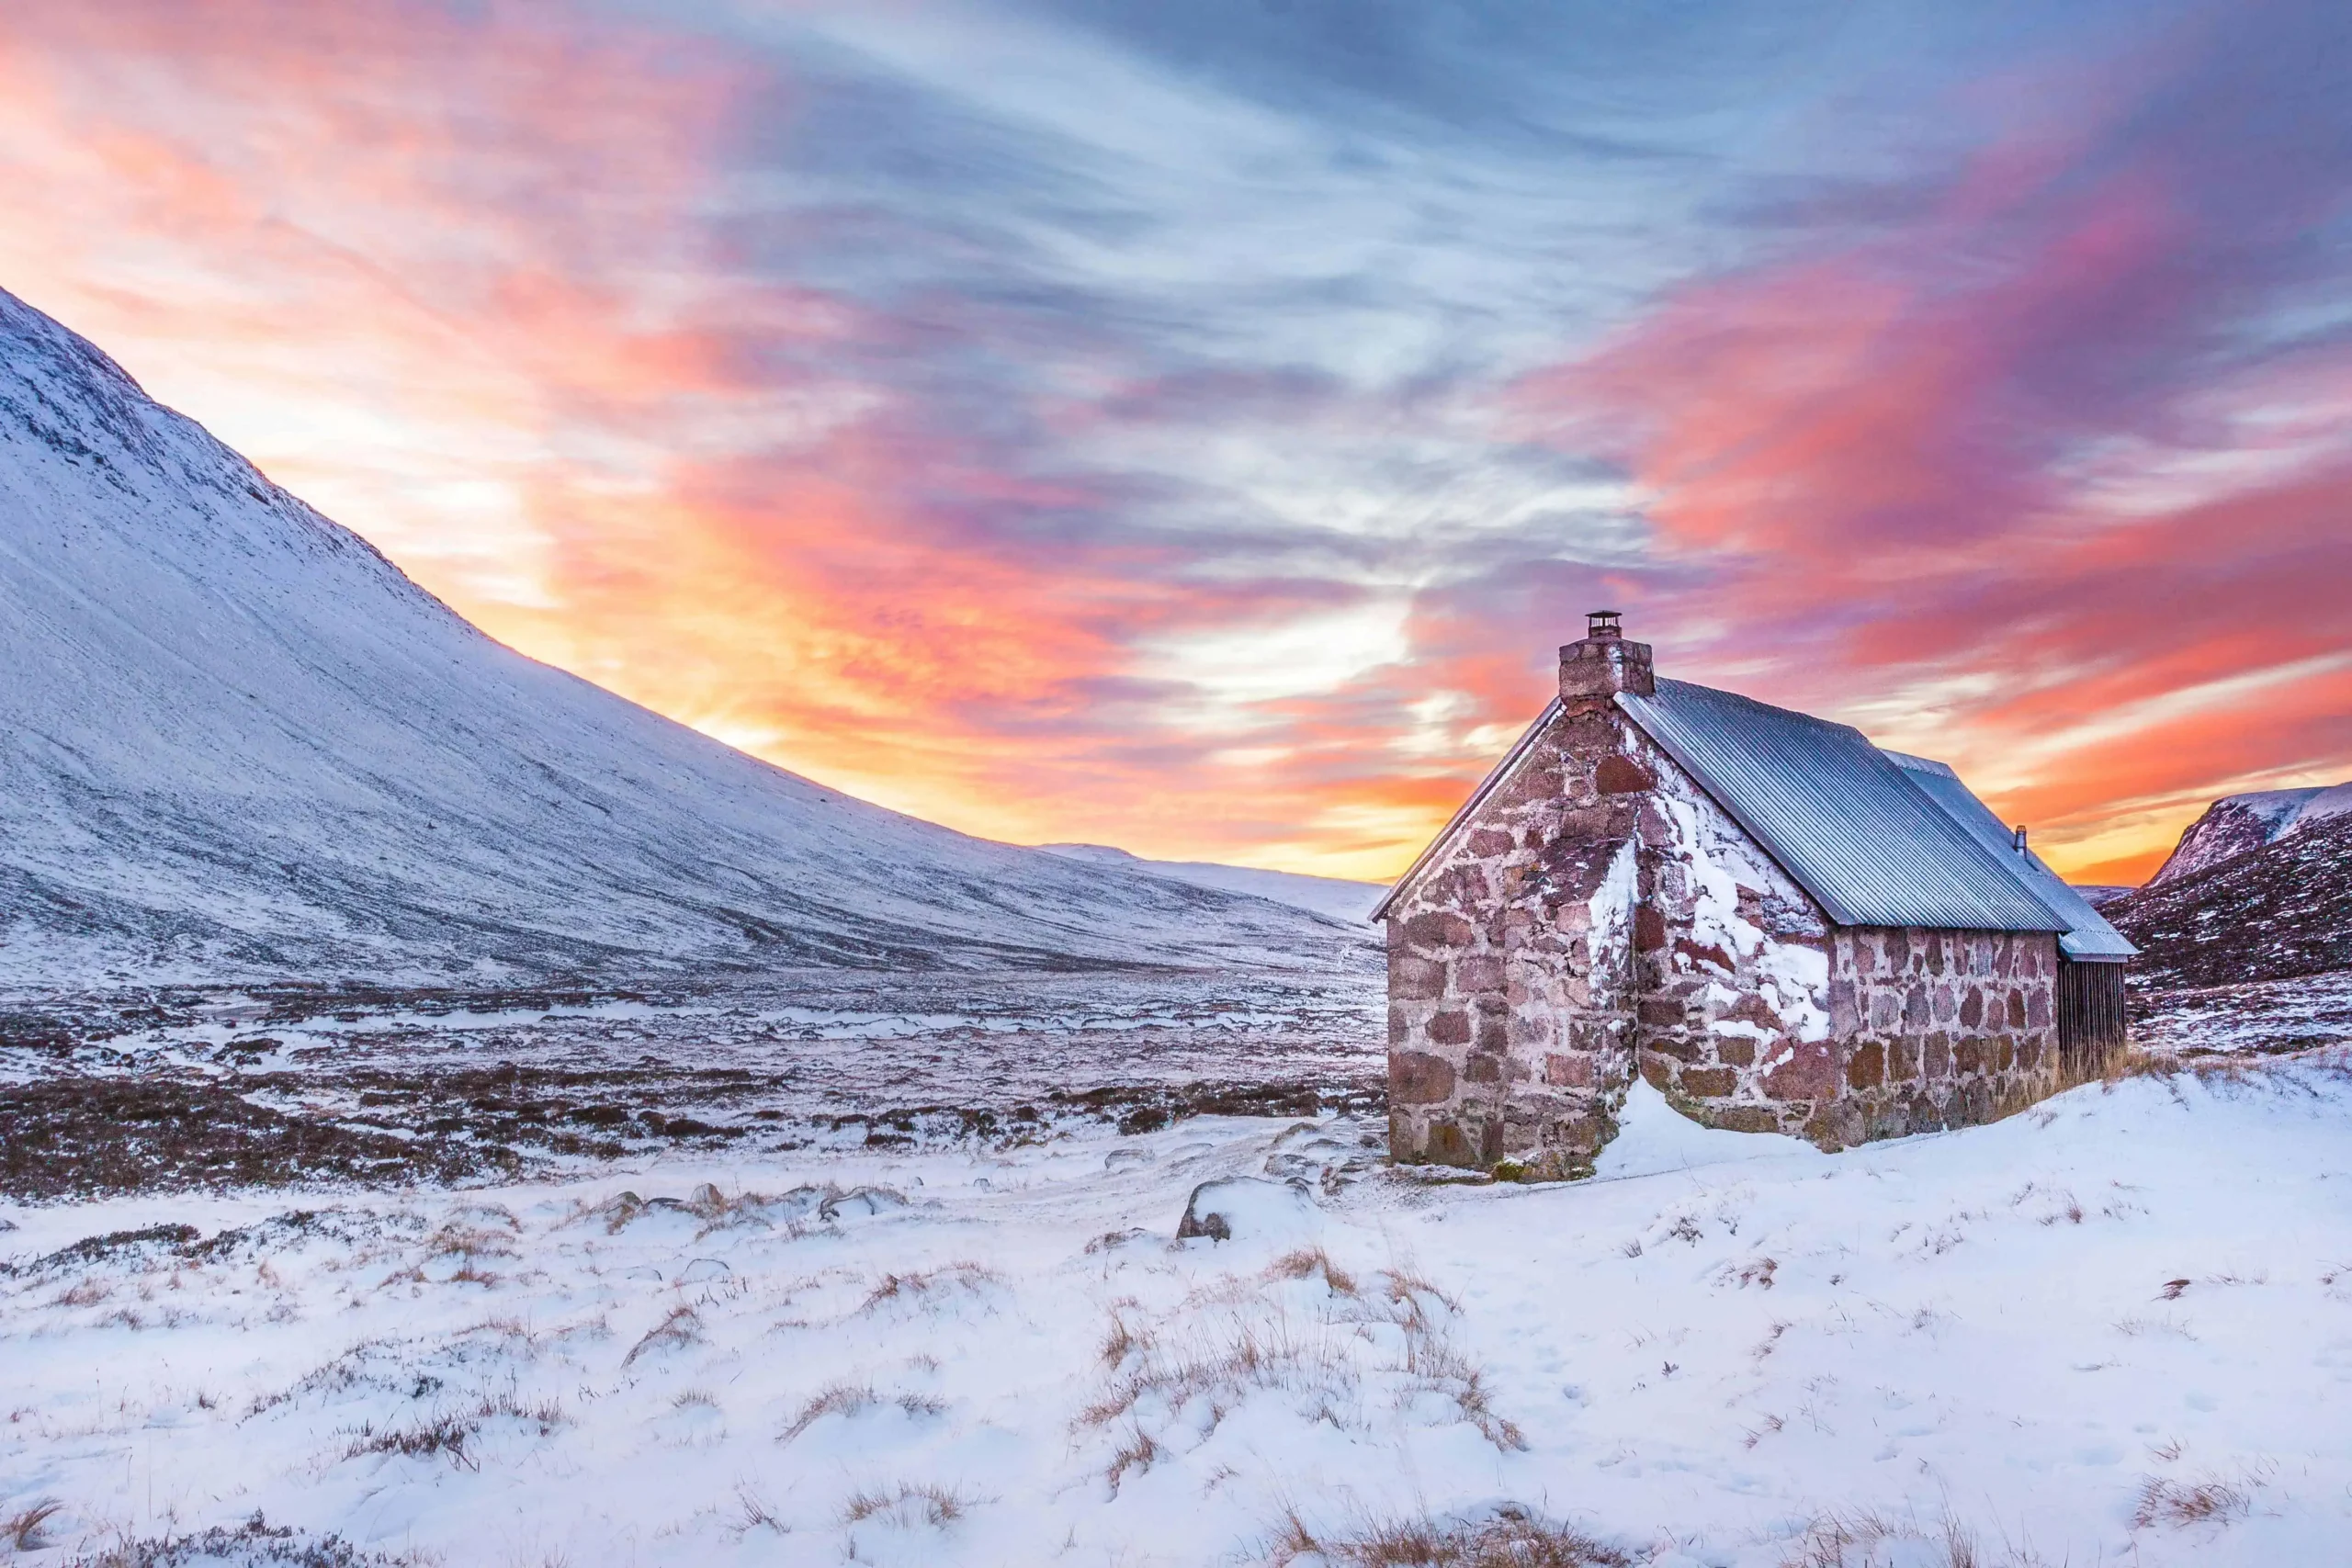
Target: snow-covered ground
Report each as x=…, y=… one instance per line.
x=2114, y=1330
x=148, y=1089
x=2261, y=1016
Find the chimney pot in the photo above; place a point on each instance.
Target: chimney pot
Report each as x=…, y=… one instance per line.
x=1604, y=663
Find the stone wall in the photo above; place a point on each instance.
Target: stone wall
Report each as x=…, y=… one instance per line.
x=1939, y=1029
x=1598, y=914
x=1510, y=966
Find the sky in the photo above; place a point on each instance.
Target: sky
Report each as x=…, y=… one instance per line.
x=1196, y=427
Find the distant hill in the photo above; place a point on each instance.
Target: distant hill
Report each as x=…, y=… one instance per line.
x=236, y=743
x=2281, y=909
x=2238, y=823
x=1331, y=896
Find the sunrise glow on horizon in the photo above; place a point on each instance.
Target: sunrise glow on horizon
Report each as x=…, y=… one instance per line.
x=1193, y=428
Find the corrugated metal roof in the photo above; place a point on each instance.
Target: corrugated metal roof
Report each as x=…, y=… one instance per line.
x=2088, y=937
x=1838, y=814
x=1495, y=775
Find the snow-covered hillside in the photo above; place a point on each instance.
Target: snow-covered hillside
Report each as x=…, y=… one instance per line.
x=1332, y=896
x=237, y=742
x=2271, y=913
x=2238, y=824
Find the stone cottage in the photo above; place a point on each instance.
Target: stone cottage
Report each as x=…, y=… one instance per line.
x=1780, y=926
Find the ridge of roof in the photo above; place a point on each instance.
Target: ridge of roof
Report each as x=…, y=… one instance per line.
x=2089, y=937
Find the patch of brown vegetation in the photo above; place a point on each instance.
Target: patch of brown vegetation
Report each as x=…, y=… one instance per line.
x=2179, y=1504
x=76, y=1136
x=1511, y=1537
x=683, y=1326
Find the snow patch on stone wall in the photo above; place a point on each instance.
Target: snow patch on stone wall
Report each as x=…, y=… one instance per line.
x=1792, y=978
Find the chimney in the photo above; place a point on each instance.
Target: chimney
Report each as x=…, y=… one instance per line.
x=1604, y=663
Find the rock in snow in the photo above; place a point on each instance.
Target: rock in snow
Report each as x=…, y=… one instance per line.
x=237, y=743
x=1244, y=1208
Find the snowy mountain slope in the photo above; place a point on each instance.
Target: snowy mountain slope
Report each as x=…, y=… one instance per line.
x=2237, y=824
x=237, y=742
x=2271, y=913
x=1332, y=896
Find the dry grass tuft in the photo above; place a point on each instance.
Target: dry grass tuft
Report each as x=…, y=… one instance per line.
x=1213, y=1371
x=907, y=1506
x=1193, y=1369
x=1123, y=1341
x=2179, y=1504
x=1866, y=1539
x=1138, y=1450
x=547, y=1414
x=757, y=1515
x=1511, y=1537
x=1311, y=1260
x=23, y=1530
x=447, y=1434
x=254, y=1544
x=683, y=1326
x=444, y=1436
x=933, y=1289
x=2132, y=1062
x=1856, y=1539
x=1404, y=1287
x=839, y=1399
x=847, y=1399
x=1433, y=1359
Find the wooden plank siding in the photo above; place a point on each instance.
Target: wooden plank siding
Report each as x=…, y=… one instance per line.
x=2091, y=1030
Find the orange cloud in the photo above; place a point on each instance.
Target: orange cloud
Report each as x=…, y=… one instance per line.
x=445, y=270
